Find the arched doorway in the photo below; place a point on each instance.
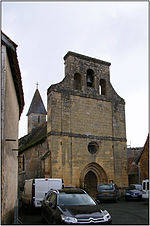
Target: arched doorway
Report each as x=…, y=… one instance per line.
x=92, y=175
x=90, y=183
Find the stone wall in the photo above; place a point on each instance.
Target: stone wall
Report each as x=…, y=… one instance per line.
x=33, y=164
x=35, y=120
x=78, y=117
x=144, y=161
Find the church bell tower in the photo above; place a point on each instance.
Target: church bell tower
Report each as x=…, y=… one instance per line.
x=37, y=112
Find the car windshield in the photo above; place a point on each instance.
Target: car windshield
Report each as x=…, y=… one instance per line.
x=75, y=199
x=106, y=187
x=135, y=187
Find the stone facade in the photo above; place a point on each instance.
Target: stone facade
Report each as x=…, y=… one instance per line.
x=30, y=163
x=85, y=113
x=32, y=149
x=133, y=155
x=144, y=161
x=85, y=138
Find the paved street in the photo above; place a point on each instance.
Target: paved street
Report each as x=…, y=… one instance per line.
x=128, y=212
x=122, y=212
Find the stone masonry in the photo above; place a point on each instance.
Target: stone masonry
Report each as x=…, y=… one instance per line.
x=86, y=130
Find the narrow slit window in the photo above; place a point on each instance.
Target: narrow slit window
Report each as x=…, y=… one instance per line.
x=23, y=163
x=102, y=87
x=77, y=81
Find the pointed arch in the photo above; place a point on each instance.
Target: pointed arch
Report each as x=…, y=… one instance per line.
x=97, y=170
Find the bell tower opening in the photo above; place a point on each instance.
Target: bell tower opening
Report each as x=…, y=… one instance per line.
x=77, y=81
x=102, y=87
x=90, y=78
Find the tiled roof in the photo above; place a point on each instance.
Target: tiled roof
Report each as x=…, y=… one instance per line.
x=37, y=105
x=36, y=136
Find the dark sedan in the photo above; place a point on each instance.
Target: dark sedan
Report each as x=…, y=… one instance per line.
x=133, y=192
x=73, y=206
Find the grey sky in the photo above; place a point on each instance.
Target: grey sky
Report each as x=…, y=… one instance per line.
x=116, y=32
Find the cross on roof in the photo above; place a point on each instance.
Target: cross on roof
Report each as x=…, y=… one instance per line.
x=37, y=85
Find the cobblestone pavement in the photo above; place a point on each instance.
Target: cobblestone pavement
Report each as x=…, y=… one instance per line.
x=122, y=212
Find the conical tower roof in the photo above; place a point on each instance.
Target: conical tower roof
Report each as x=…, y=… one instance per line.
x=37, y=105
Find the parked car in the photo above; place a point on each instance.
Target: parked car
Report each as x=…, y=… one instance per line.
x=134, y=191
x=107, y=192
x=73, y=206
x=137, y=186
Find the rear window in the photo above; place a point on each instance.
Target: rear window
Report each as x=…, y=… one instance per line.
x=144, y=186
x=106, y=187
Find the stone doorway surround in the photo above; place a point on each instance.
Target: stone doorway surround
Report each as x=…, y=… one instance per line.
x=92, y=175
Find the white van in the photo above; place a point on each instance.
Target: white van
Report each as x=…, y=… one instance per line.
x=145, y=189
x=35, y=190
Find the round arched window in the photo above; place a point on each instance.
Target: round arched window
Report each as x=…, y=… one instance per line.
x=90, y=78
x=93, y=147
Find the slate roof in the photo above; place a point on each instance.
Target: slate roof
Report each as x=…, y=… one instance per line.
x=37, y=105
x=37, y=135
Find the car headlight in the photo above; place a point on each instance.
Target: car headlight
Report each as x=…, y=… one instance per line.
x=106, y=215
x=128, y=193
x=69, y=219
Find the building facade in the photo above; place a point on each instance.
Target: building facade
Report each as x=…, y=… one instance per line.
x=11, y=108
x=86, y=129
x=133, y=155
x=144, y=161
x=33, y=146
x=85, y=138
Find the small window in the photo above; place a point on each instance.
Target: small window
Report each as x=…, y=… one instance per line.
x=23, y=163
x=77, y=81
x=102, y=87
x=38, y=119
x=147, y=185
x=93, y=147
x=90, y=78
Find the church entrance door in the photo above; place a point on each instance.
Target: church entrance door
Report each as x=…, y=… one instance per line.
x=90, y=183
x=92, y=175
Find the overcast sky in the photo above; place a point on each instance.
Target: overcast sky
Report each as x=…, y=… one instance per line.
x=116, y=32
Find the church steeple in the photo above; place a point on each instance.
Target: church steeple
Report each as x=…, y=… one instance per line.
x=37, y=112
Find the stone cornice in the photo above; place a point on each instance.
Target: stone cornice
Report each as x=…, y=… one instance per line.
x=77, y=135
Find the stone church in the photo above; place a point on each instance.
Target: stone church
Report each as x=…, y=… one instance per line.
x=83, y=139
